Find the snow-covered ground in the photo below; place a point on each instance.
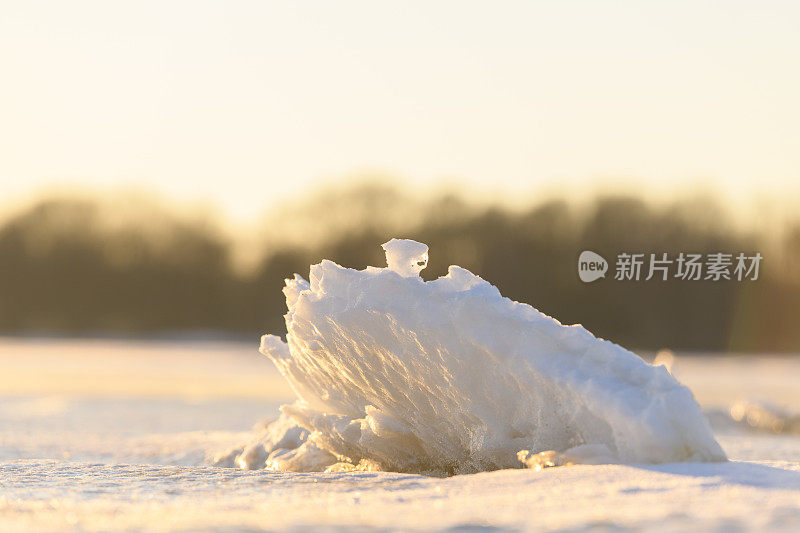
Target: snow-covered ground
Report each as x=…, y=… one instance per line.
x=116, y=435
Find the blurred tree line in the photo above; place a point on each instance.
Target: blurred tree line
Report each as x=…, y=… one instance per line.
x=67, y=266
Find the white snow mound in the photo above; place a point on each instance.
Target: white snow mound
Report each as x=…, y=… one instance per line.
x=448, y=376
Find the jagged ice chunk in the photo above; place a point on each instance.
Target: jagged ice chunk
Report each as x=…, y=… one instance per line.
x=448, y=376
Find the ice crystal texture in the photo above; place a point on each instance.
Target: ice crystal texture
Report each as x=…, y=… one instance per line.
x=448, y=376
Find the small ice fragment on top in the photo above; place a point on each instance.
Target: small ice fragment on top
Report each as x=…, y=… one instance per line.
x=406, y=257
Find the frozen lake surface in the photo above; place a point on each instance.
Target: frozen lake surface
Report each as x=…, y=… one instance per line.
x=117, y=435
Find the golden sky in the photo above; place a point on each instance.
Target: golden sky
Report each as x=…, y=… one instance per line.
x=248, y=103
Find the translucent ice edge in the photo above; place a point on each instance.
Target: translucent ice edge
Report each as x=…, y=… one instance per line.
x=448, y=376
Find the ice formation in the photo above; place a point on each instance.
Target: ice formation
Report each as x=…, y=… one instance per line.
x=448, y=376
x=407, y=258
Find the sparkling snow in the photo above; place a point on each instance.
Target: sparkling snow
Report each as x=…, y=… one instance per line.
x=130, y=453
